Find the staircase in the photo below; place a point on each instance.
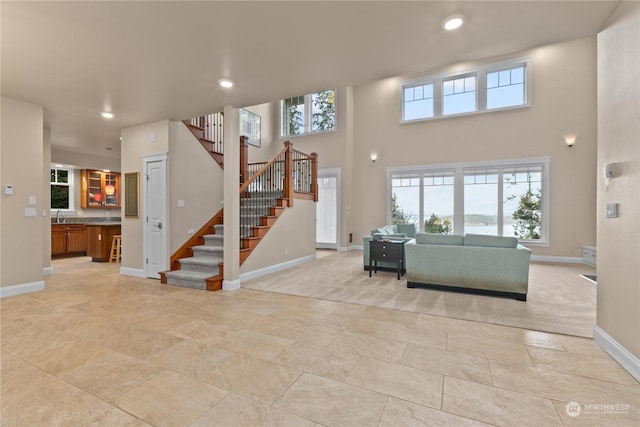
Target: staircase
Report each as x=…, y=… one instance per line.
x=203, y=264
x=264, y=195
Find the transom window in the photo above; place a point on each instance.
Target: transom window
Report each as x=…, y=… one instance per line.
x=506, y=198
x=305, y=114
x=489, y=88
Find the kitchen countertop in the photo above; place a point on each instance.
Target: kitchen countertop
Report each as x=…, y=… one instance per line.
x=103, y=223
x=87, y=221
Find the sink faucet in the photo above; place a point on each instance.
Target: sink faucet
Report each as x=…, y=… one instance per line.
x=58, y=214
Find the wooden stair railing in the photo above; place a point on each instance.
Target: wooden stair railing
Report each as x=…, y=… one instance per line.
x=209, y=130
x=264, y=196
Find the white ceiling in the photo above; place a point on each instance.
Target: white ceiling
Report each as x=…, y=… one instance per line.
x=148, y=60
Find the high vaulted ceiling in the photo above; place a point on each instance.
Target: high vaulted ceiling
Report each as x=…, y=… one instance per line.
x=147, y=60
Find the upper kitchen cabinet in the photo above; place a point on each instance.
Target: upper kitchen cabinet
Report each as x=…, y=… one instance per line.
x=100, y=189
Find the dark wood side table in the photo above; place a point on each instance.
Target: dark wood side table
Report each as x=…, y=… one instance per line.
x=388, y=251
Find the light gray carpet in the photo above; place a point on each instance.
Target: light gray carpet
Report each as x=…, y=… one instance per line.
x=559, y=300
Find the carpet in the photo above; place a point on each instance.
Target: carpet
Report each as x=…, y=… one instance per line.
x=557, y=301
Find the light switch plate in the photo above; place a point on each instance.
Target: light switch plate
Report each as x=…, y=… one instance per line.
x=32, y=200
x=612, y=210
x=29, y=212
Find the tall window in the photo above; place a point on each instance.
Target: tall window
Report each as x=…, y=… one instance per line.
x=61, y=188
x=310, y=113
x=505, y=198
x=488, y=88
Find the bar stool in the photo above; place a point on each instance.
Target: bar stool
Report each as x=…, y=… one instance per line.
x=115, y=248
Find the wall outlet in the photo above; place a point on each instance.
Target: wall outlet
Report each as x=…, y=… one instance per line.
x=190, y=231
x=286, y=251
x=181, y=203
x=612, y=210
x=32, y=200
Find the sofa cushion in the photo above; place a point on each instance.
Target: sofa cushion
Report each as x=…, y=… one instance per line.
x=387, y=229
x=408, y=229
x=490, y=241
x=439, y=239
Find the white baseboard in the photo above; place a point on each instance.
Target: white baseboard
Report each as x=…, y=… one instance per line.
x=231, y=285
x=274, y=268
x=621, y=355
x=136, y=272
x=24, y=288
x=557, y=259
x=47, y=271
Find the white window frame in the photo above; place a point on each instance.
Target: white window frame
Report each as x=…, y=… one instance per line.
x=458, y=204
x=70, y=184
x=308, y=123
x=481, y=89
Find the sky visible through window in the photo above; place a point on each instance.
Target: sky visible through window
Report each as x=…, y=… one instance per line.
x=480, y=199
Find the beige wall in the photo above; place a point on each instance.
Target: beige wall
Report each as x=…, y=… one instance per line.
x=197, y=179
x=335, y=150
x=136, y=143
x=291, y=237
x=46, y=193
x=22, y=159
x=619, y=143
x=269, y=145
x=563, y=102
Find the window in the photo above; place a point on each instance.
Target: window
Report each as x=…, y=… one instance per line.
x=505, y=198
x=311, y=113
x=505, y=88
x=488, y=88
x=459, y=95
x=61, y=188
x=418, y=102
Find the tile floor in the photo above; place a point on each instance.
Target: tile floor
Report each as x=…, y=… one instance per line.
x=100, y=349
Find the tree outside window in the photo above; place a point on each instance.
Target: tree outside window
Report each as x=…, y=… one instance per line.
x=310, y=113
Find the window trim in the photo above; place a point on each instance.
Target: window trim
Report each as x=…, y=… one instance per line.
x=70, y=184
x=481, y=88
x=459, y=168
x=308, y=108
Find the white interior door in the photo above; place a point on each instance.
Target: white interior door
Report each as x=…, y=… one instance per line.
x=155, y=225
x=327, y=209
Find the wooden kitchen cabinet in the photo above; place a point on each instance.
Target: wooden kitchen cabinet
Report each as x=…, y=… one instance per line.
x=100, y=189
x=99, y=237
x=68, y=239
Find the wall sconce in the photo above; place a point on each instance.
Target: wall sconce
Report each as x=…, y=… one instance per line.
x=374, y=157
x=570, y=140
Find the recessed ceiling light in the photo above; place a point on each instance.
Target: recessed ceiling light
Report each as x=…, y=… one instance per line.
x=107, y=115
x=453, y=22
x=225, y=83
x=109, y=148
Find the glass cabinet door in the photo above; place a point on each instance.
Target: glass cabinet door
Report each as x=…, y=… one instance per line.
x=95, y=189
x=111, y=189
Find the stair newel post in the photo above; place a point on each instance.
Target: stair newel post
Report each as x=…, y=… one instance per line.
x=288, y=172
x=314, y=176
x=244, y=159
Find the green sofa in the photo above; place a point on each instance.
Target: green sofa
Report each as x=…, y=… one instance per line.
x=404, y=232
x=473, y=263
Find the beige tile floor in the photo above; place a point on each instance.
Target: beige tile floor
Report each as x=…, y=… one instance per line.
x=99, y=349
